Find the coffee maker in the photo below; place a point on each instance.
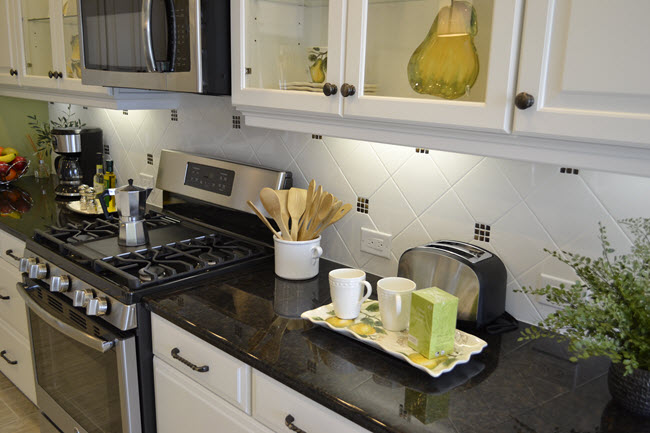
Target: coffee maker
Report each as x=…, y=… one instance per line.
x=130, y=201
x=75, y=165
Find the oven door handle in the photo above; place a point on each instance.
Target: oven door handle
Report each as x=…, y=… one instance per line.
x=147, y=35
x=70, y=331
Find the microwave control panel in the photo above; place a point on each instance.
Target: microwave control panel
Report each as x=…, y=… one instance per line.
x=213, y=179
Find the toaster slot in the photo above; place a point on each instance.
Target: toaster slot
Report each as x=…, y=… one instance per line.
x=467, y=251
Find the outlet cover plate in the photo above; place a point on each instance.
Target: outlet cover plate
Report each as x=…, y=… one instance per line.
x=376, y=243
x=146, y=180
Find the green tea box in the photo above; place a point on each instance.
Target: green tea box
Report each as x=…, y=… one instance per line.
x=432, y=324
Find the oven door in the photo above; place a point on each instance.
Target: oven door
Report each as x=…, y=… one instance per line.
x=86, y=374
x=142, y=44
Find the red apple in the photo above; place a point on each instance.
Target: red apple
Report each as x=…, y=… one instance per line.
x=19, y=164
x=4, y=169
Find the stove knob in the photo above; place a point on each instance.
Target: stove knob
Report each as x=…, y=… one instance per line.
x=97, y=307
x=60, y=284
x=82, y=297
x=38, y=271
x=25, y=264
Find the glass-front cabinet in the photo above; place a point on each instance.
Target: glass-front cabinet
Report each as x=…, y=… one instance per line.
x=447, y=62
x=49, y=53
x=8, y=62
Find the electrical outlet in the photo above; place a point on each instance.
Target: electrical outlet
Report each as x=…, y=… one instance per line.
x=550, y=280
x=146, y=180
x=375, y=242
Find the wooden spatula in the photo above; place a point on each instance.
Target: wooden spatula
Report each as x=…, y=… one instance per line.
x=323, y=210
x=271, y=202
x=296, y=202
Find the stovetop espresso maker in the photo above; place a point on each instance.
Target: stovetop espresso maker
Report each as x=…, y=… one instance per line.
x=130, y=201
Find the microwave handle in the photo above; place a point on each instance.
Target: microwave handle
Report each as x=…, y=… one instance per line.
x=147, y=37
x=72, y=332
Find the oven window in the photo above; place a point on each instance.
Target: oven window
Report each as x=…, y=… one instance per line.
x=82, y=381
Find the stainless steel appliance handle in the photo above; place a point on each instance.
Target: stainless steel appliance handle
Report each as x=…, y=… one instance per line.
x=147, y=37
x=70, y=331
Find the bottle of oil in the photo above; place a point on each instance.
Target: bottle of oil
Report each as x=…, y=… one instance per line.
x=109, y=182
x=98, y=179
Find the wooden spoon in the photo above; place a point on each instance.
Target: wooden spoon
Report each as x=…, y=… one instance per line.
x=296, y=206
x=326, y=221
x=262, y=217
x=271, y=202
x=340, y=213
x=284, y=195
x=323, y=210
x=310, y=213
x=311, y=189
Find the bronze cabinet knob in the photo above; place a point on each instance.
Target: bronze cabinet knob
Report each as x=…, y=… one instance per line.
x=50, y=74
x=329, y=89
x=347, y=90
x=524, y=100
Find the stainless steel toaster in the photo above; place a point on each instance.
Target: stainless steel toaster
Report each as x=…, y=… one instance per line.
x=473, y=274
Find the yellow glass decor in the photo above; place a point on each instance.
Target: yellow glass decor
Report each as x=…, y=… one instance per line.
x=446, y=63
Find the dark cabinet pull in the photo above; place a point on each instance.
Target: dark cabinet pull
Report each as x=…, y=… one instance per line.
x=524, y=100
x=288, y=421
x=329, y=89
x=50, y=74
x=11, y=254
x=175, y=355
x=4, y=298
x=348, y=90
x=54, y=74
x=13, y=72
x=3, y=353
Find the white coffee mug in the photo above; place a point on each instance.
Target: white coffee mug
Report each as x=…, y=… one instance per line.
x=297, y=260
x=346, y=289
x=394, y=294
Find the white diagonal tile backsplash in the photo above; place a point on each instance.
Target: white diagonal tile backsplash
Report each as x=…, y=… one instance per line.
x=416, y=197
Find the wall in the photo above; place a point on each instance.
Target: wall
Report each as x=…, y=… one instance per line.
x=14, y=127
x=417, y=197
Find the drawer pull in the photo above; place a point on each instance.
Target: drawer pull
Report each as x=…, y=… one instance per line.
x=4, y=298
x=3, y=353
x=11, y=254
x=288, y=421
x=175, y=355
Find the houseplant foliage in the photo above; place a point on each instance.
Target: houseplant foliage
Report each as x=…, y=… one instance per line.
x=43, y=130
x=606, y=312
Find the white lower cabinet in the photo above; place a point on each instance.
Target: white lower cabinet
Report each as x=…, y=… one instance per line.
x=16, y=360
x=182, y=405
x=191, y=401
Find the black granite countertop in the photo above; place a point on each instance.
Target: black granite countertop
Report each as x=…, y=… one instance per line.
x=29, y=204
x=512, y=386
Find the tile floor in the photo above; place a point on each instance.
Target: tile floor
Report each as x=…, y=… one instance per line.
x=17, y=413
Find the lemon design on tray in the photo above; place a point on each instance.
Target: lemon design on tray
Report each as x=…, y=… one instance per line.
x=339, y=323
x=363, y=329
x=427, y=362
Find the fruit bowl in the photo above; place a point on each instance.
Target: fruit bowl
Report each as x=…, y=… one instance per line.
x=14, y=202
x=10, y=172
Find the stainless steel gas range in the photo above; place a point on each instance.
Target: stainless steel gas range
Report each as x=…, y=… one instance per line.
x=90, y=332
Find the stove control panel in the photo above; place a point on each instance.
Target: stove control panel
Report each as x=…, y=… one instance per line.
x=213, y=179
x=83, y=295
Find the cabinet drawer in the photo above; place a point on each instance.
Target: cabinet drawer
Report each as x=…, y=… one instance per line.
x=226, y=376
x=13, y=246
x=182, y=405
x=12, y=310
x=273, y=402
x=17, y=350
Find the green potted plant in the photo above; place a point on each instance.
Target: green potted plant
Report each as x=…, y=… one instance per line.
x=43, y=130
x=607, y=313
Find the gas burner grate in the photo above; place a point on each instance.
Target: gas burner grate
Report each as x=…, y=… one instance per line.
x=175, y=260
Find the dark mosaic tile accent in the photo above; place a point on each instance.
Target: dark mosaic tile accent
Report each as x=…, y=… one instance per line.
x=567, y=170
x=125, y=112
x=363, y=205
x=174, y=115
x=236, y=122
x=316, y=137
x=421, y=150
x=149, y=159
x=482, y=232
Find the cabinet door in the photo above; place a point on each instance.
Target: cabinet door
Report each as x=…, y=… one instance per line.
x=433, y=62
x=36, y=51
x=284, y=51
x=183, y=405
x=65, y=23
x=586, y=64
x=7, y=43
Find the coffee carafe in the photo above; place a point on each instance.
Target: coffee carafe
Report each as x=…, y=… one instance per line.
x=130, y=201
x=74, y=147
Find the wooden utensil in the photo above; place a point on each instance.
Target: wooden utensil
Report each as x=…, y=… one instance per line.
x=296, y=206
x=311, y=189
x=311, y=213
x=340, y=213
x=271, y=202
x=326, y=221
x=284, y=195
x=262, y=217
x=323, y=210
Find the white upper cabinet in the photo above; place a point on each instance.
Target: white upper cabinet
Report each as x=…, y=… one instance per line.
x=8, y=62
x=424, y=62
x=586, y=64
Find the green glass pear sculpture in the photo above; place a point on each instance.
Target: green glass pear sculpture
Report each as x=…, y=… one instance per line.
x=446, y=64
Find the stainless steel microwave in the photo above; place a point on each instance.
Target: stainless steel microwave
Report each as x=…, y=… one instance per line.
x=173, y=45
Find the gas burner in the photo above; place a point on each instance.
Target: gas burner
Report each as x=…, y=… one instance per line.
x=152, y=273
